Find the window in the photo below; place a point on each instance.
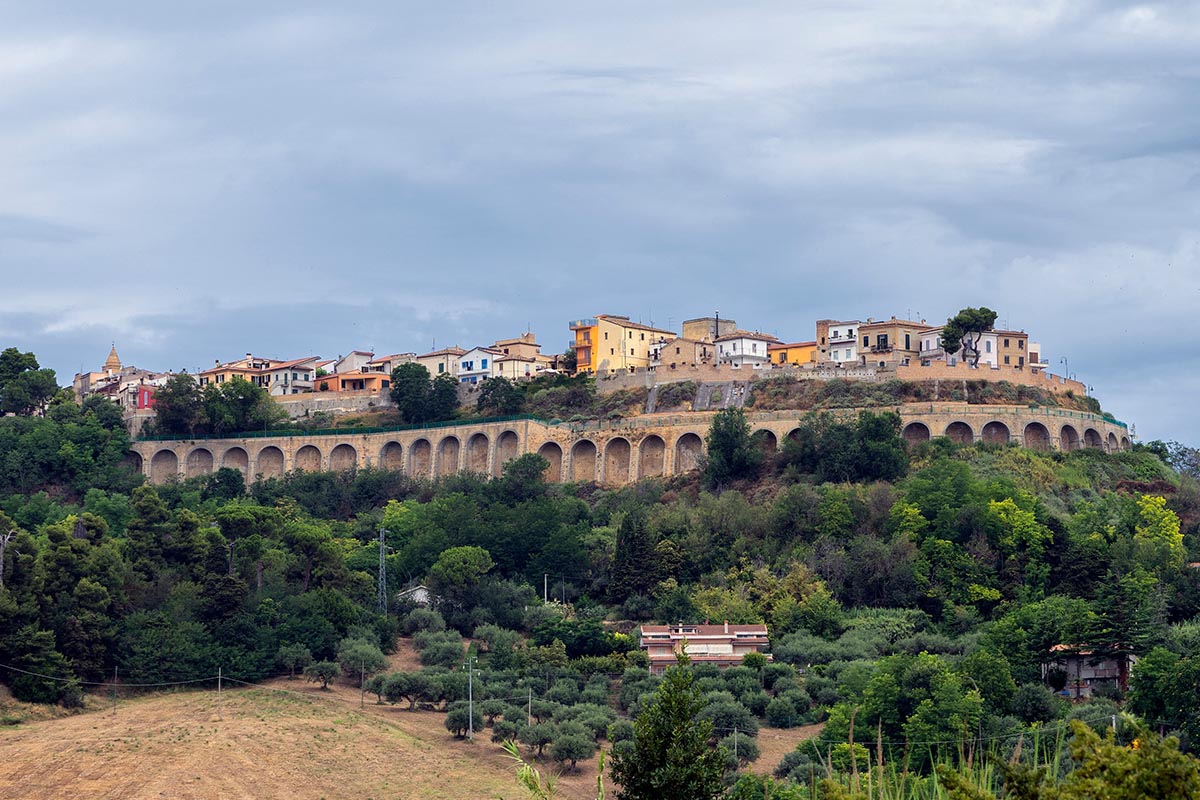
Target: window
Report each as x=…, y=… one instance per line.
x=676, y=351
x=1006, y=359
x=866, y=341
x=907, y=342
x=1020, y=344
x=987, y=346
x=606, y=336
x=754, y=347
x=643, y=337
x=441, y=368
x=483, y=364
x=1007, y=343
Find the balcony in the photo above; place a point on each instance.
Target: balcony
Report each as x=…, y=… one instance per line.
x=587, y=322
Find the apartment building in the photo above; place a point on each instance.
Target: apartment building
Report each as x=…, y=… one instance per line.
x=722, y=645
x=800, y=354
x=837, y=341
x=608, y=342
x=744, y=349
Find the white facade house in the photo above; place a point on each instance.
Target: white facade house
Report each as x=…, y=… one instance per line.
x=843, y=342
x=478, y=364
x=385, y=364
x=516, y=367
x=354, y=361
x=744, y=349
x=291, y=377
x=441, y=362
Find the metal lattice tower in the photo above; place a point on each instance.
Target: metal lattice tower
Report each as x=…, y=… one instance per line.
x=383, y=593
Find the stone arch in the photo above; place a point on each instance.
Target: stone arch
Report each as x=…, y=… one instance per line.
x=237, y=458
x=1124, y=443
x=477, y=453
x=342, y=458
x=420, y=458
x=199, y=462
x=135, y=462
x=554, y=455
x=689, y=450
x=794, y=434
x=583, y=461
x=448, y=452
x=651, y=461
x=392, y=456
x=1113, y=444
x=616, y=461
x=269, y=462
x=1092, y=439
x=308, y=459
x=914, y=432
x=1068, y=438
x=767, y=440
x=960, y=433
x=507, y=447
x=996, y=432
x=164, y=466
x=1036, y=436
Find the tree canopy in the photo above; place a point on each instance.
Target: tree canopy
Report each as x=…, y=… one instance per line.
x=965, y=329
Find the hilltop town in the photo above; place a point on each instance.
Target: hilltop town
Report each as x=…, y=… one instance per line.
x=620, y=353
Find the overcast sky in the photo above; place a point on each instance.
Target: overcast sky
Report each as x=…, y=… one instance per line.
x=289, y=180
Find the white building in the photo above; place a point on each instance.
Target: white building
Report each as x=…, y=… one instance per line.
x=291, y=377
x=441, y=362
x=840, y=346
x=744, y=349
x=478, y=364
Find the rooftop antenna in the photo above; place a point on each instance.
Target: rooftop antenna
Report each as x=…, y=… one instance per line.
x=383, y=593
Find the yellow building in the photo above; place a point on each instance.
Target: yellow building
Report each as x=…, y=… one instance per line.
x=895, y=341
x=607, y=343
x=797, y=353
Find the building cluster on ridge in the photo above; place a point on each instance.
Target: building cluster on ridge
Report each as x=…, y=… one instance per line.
x=605, y=344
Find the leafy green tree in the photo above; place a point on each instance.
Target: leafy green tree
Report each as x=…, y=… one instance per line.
x=458, y=571
x=460, y=719
x=732, y=452
x=1157, y=536
x=500, y=396
x=322, y=672
x=179, y=406
x=410, y=392
x=361, y=656
x=671, y=755
x=24, y=386
x=634, y=569
x=291, y=656
x=443, y=397
x=572, y=747
x=990, y=674
x=964, y=330
x=538, y=735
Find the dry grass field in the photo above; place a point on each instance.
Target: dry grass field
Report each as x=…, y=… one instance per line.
x=286, y=739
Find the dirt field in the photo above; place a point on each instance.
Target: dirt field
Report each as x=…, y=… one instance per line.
x=288, y=739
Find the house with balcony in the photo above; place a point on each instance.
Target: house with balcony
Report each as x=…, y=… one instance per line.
x=252, y=368
x=837, y=342
x=477, y=364
x=891, y=341
x=610, y=343
x=291, y=377
x=744, y=349
x=722, y=645
x=1088, y=668
x=441, y=362
x=996, y=348
x=385, y=364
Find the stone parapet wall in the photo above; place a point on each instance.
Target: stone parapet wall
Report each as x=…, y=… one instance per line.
x=964, y=372
x=609, y=382
x=299, y=406
x=612, y=452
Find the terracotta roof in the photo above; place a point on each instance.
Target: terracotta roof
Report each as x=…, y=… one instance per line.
x=762, y=337
x=445, y=351
x=625, y=322
x=706, y=630
x=392, y=357
x=893, y=321
x=782, y=346
x=292, y=363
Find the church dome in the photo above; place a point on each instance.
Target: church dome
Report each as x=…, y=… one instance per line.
x=113, y=363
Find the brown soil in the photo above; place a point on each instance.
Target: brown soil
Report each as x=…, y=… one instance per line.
x=285, y=739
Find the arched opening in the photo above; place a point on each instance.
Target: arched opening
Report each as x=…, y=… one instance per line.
x=308, y=459
x=1124, y=443
x=135, y=462
x=342, y=458
x=794, y=434
x=616, y=461
x=1037, y=437
x=507, y=446
x=689, y=450
x=199, y=462
x=477, y=454
x=583, y=461
x=1091, y=438
x=960, y=433
x=1068, y=438
x=914, y=432
x=420, y=458
x=269, y=462
x=996, y=432
x=237, y=458
x=447, y=455
x=1113, y=444
x=767, y=441
x=650, y=457
x=164, y=466
x=554, y=458
x=392, y=456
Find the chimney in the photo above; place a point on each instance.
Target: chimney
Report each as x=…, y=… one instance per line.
x=727, y=626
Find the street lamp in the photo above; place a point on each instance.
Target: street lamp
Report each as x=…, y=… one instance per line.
x=1066, y=367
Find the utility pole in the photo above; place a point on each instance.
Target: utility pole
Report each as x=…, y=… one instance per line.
x=545, y=587
x=114, y=690
x=219, y=693
x=529, y=708
x=470, y=699
x=362, y=683
x=5, y=538
x=383, y=593
x=735, y=745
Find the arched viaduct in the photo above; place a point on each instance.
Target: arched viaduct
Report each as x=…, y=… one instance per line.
x=608, y=452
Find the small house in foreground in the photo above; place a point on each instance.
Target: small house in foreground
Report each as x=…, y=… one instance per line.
x=1086, y=669
x=723, y=645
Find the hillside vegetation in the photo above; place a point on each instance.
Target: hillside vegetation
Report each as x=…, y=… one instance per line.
x=916, y=592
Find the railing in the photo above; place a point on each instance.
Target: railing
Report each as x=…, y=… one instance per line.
x=292, y=432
